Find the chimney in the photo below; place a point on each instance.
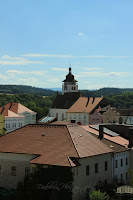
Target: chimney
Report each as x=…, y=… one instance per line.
x=10, y=105
x=87, y=101
x=3, y=108
x=100, y=132
x=130, y=134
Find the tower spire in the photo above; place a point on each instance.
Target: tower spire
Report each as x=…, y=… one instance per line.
x=70, y=69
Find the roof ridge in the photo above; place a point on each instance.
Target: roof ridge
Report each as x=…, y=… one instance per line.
x=72, y=140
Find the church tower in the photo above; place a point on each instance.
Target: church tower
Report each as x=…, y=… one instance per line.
x=69, y=84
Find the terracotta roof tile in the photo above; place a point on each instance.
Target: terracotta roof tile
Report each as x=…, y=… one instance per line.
x=14, y=107
x=116, y=139
x=85, y=105
x=53, y=144
x=86, y=144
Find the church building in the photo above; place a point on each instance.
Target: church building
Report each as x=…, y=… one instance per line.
x=69, y=96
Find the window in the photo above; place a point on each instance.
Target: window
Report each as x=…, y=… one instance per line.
x=0, y=169
x=57, y=116
x=121, y=178
x=106, y=165
x=33, y=170
x=27, y=171
x=126, y=176
x=126, y=161
x=121, y=162
x=96, y=168
x=105, y=182
x=87, y=170
x=116, y=179
x=15, y=124
x=84, y=116
x=12, y=125
x=116, y=164
x=13, y=170
x=19, y=125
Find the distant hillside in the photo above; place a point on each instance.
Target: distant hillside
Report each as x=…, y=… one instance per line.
x=105, y=92
x=20, y=89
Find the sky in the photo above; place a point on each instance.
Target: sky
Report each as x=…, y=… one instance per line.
x=39, y=39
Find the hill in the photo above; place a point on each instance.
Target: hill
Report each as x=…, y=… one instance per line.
x=20, y=89
x=105, y=91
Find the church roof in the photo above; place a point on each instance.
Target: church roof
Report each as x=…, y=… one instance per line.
x=66, y=101
x=69, y=77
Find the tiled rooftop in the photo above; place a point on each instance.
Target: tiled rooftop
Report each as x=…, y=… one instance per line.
x=85, y=105
x=53, y=144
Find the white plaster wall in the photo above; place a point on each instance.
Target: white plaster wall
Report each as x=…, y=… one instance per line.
x=13, y=123
x=130, y=120
x=7, y=160
x=83, y=118
x=83, y=181
x=69, y=88
x=53, y=113
x=30, y=117
x=121, y=169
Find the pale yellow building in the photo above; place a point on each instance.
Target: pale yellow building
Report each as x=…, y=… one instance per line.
x=2, y=130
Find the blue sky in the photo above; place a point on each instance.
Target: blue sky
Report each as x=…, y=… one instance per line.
x=38, y=40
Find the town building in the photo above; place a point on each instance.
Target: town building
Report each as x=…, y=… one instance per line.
x=16, y=115
x=2, y=129
x=86, y=110
x=121, y=159
x=59, y=144
x=65, y=100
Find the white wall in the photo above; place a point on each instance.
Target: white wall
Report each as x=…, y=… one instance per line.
x=13, y=123
x=83, y=118
x=83, y=181
x=70, y=87
x=61, y=113
x=121, y=169
x=30, y=117
x=7, y=160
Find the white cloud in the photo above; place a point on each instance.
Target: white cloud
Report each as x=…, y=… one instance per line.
x=3, y=77
x=21, y=62
x=95, y=56
x=118, y=74
x=60, y=69
x=28, y=81
x=48, y=55
x=81, y=34
x=53, y=80
x=6, y=57
x=93, y=68
x=101, y=74
x=16, y=72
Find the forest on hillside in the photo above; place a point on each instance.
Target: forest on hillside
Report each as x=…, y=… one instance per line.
x=20, y=89
x=41, y=105
x=119, y=98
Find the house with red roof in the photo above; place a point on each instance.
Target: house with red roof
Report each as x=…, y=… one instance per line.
x=58, y=144
x=16, y=115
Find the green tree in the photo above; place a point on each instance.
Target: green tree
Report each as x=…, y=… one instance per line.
x=98, y=195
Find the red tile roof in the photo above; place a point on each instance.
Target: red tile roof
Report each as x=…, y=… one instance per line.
x=14, y=107
x=85, y=105
x=116, y=139
x=53, y=144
